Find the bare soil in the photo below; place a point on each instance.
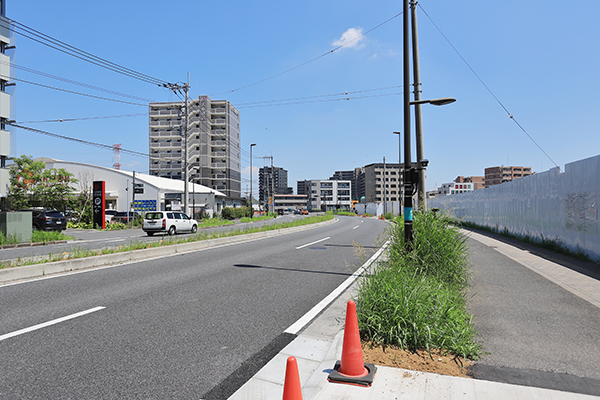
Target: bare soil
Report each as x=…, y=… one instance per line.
x=440, y=362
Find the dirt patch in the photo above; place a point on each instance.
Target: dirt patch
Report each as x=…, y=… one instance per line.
x=442, y=363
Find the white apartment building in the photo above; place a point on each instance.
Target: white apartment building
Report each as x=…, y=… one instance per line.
x=213, y=145
x=328, y=195
x=455, y=188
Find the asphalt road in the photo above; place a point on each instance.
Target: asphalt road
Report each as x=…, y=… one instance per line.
x=534, y=332
x=89, y=239
x=172, y=327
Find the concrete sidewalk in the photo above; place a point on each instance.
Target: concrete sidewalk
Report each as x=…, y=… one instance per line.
x=319, y=346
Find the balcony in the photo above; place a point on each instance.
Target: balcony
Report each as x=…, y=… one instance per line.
x=218, y=165
x=154, y=145
x=218, y=143
x=159, y=134
x=174, y=124
x=218, y=154
x=218, y=110
x=163, y=112
x=218, y=121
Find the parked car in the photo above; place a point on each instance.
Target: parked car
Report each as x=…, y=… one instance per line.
x=109, y=215
x=125, y=216
x=47, y=220
x=170, y=222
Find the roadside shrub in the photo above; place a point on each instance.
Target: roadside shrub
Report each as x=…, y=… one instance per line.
x=236, y=213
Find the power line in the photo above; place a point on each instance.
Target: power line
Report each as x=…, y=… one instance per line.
x=84, y=118
x=322, y=101
x=33, y=71
x=310, y=61
x=72, y=92
x=511, y=116
x=63, y=47
x=317, y=96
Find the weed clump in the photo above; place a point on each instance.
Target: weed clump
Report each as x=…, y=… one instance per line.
x=416, y=300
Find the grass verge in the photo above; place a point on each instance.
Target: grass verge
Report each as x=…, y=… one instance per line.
x=417, y=299
x=169, y=240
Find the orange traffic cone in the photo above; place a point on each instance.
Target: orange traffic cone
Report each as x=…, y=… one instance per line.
x=352, y=369
x=292, y=390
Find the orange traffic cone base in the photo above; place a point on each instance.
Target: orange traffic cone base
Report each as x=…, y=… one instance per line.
x=362, y=381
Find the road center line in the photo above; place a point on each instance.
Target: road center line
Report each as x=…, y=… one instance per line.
x=309, y=244
x=49, y=323
x=355, y=227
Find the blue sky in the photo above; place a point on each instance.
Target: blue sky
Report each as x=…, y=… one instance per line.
x=538, y=58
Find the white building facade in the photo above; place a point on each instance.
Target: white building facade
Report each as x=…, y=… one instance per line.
x=326, y=195
x=455, y=188
x=159, y=194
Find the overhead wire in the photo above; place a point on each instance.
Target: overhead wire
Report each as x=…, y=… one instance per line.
x=49, y=41
x=33, y=71
x=72, y=92
x=511, y=116
x=310, y=61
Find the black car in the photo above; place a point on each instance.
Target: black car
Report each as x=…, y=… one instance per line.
x=47, y=220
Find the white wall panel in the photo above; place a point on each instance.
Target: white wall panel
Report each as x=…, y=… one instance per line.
x=550, y=205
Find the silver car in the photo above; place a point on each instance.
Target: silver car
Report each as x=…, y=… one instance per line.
x=169, y=222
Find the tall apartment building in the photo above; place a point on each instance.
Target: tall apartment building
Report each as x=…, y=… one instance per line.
x=4, y=104
x=213, y=145
x=276, y=179
x=501, y=174
x=327, y=195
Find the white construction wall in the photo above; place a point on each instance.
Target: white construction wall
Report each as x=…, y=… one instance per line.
x=551, y=204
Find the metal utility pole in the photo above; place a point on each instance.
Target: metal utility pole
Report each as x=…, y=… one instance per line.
x=418, y=120
x=272, y=187
x=132, y=205
x=408, y=205
x=251, y=198
x=384, y=189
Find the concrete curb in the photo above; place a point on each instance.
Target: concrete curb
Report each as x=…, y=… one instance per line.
x=39, y=270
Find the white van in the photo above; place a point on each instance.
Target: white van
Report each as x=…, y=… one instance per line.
x=169, y=222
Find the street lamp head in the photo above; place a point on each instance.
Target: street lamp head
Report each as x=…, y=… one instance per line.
x=253, y=144
x=397, y=133
x=443, y=101
x=436, y=102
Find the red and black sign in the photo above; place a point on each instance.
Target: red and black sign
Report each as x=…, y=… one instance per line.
x=98, y=198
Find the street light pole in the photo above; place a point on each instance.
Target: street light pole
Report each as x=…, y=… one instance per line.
x=408, y=206
x=251, y=198
x=418, y=119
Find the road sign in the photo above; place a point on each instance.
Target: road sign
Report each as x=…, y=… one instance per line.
x=138, y=188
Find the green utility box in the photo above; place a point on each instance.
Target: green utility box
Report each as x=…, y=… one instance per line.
x=16, y=224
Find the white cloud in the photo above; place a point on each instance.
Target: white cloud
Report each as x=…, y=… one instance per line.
x=351, y=38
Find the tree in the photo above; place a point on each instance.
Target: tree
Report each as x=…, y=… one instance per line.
x=34, y=185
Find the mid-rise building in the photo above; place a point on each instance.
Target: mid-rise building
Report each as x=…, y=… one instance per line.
x=327, y=195
x=352, y=176
x=501, y=174
x=213, y=145
x=477, y=181
x=455, y=188
x=372, y=182
x=272, y=181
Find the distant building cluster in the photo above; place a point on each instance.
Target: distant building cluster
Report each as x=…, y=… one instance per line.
x=213, y=160
x=492, y=176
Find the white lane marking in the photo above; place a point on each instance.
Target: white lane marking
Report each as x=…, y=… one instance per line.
x=306, y=318
x=53, y=322
x=318, y=241
x=355, y=227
